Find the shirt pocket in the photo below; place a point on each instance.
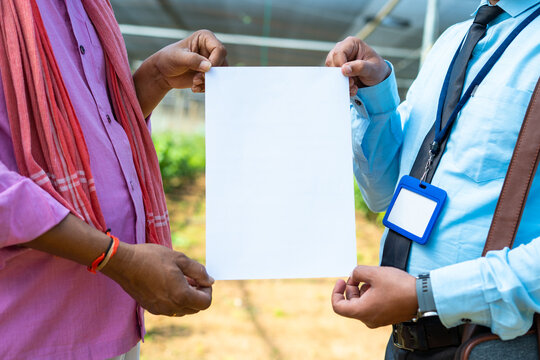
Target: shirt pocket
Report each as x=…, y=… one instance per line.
x=487, y=130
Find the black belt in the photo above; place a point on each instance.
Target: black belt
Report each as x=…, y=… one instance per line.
x=425, y=334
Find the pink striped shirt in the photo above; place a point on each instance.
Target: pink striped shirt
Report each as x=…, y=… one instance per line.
x=51, y=308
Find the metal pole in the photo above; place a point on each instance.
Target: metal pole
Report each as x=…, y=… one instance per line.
x=267, y=18
x=260, y=41
x=431, y=28
x=374, y=23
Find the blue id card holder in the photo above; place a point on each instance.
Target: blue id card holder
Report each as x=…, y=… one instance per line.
x=414, y=209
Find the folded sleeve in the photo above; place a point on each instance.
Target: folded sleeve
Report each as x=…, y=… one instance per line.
x=26, y=210
x=377, y=137
x=500, y=290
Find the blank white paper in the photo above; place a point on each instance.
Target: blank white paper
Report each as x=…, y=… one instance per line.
x=279, y=183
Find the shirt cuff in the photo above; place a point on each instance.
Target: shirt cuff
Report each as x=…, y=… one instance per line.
x=459, y=295
x=380, y=98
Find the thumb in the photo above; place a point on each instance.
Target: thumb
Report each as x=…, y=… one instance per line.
x=191, y=60
x=369, y=72
x=361, y=274
x=195, y=271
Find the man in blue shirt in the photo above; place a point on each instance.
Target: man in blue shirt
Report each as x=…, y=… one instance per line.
x=502, y=290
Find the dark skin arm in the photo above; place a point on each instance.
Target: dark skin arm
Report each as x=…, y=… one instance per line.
x=155, y=276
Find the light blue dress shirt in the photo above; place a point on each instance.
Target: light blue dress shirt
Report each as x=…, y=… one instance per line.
x=502, y=290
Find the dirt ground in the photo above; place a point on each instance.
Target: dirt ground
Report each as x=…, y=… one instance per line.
x=263, y=319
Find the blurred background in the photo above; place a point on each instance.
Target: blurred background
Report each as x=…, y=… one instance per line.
x=271, y=319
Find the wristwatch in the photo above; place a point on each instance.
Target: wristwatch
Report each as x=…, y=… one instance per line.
x=426, y=301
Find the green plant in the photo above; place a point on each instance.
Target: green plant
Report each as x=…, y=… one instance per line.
x=181, y=158
x=361, y=205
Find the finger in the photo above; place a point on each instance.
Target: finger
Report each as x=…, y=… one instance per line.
x=353, y=90
x=366, y=71
x=362, y=274
x=212, y=48
x=191, y=281
x=340, y=305
x=352, y=292
x=195, y=298
x=198, y=79
x=338, y=292
x=364, y=288
x=194, y=270
x=339, y=58
x=218, y=55
x=185, y=311
x=193, y=61
x=329, y=59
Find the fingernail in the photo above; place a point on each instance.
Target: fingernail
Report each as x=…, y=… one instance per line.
x=197, y=81
x=205, y=65
x=211, y=280
x=347, y=69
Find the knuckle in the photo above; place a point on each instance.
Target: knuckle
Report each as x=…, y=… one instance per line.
x=180, y=257
x=205, y=32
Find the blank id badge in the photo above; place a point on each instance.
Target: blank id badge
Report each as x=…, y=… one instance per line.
x=414, y=209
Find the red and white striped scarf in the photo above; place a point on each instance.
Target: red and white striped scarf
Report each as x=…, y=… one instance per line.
x=47, y=138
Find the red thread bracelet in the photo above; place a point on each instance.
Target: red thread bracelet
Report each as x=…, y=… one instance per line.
x=104, y=258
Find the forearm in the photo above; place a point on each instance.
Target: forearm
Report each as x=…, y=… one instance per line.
x=377, y=138
x=499, y=291
x=75, y=240
x=152, y=274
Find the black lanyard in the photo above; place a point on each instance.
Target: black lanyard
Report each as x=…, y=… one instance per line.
x=442, y=134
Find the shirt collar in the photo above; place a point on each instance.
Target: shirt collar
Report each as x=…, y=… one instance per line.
x=512, y=7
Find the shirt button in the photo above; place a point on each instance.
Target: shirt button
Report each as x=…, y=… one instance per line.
x=108, y=118
x=132, y=186
x=358, y=102
x=81, y=48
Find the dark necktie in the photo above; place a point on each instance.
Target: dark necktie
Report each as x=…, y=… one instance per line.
x=397, y=247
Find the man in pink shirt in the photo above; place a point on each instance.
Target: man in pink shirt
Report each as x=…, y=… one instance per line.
x=51, y=307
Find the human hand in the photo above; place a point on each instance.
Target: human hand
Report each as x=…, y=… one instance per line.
x=163, y=281
x=180, y=65
x=183, y=64
x=386, y=296
x=359, y=62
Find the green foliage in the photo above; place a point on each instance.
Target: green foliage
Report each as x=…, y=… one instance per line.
x=362, y=207
x=181, y=158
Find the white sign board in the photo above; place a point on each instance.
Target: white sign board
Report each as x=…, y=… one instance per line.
x=279, y=183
